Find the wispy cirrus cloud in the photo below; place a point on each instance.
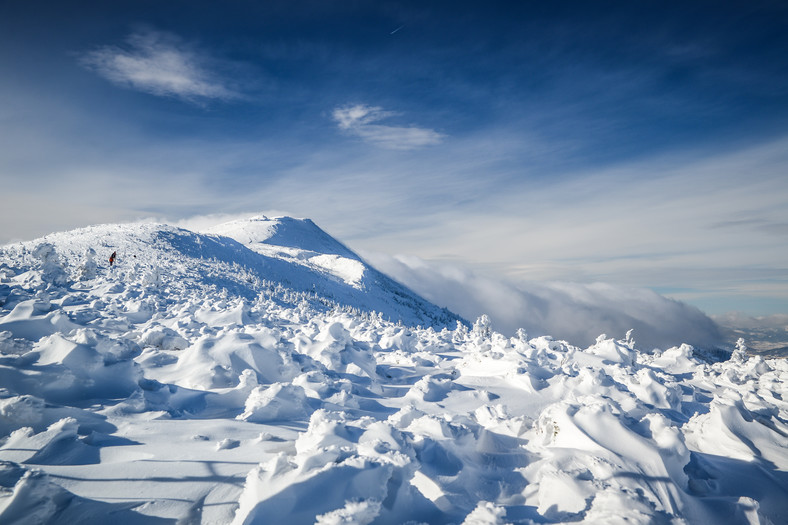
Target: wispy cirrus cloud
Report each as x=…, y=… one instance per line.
x=360, y=120
x=161, y=64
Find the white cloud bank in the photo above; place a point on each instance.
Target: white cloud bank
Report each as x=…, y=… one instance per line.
x=360, y=120
x=577, y=313
x=160, y=64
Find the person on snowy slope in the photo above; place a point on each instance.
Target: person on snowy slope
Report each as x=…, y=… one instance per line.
x=112, y=258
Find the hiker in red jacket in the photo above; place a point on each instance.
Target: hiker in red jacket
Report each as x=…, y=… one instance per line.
x=112, y=258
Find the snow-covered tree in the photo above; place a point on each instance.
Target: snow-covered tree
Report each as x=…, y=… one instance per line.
x=482, y=327
x=51, y=269
x=89, y=268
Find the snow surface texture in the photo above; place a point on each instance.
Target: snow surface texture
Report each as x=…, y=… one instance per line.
x=206, y=381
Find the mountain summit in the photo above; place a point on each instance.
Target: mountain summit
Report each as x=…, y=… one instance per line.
x=301, y=235
x=320, y=263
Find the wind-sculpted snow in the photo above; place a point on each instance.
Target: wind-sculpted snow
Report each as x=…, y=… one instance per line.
x=205, y=382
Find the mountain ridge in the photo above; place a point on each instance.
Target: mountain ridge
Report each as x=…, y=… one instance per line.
x=281, y=250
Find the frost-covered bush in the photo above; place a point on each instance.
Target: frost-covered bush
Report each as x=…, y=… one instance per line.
x=89, y=268
x=482, y=327
x=51, y=268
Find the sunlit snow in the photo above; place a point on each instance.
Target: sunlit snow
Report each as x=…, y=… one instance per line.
x=261, y=372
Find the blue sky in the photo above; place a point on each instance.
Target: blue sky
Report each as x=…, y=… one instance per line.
x=641, y=144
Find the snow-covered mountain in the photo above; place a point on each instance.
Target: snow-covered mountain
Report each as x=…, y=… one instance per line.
x=242, y=255
x=315, y=261
x=263, y=373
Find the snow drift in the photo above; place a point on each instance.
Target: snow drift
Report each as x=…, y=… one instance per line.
x=264, y=373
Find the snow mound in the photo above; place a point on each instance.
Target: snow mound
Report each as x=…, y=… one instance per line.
x=277, y=402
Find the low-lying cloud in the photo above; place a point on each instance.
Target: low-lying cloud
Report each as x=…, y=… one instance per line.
x=767, y=334
x=776, y=322
x=359, y=120
x=577, y=313
x=160, y=64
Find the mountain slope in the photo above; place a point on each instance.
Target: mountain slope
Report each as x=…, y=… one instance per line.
x=330, y=269
x=281, y=251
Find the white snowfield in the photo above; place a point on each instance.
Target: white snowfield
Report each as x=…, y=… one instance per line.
x=262, y=373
